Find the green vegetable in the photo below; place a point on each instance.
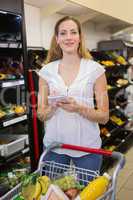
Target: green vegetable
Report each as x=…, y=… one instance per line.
x=79, y=186
x=19, y=197
x=29, y=186
x=29, y=179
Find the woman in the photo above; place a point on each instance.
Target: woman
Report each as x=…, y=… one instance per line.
x=70, y=71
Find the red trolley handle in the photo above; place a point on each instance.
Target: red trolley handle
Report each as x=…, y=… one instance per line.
x=115, y=155
x=86, y=149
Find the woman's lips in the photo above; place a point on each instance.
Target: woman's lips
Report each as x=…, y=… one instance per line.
x=69, y=44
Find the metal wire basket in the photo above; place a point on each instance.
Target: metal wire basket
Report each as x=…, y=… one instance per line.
x=55, y=170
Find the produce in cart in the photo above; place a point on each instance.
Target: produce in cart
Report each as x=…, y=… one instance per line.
x=37, y=186
x=34, y=185
x=95, y=188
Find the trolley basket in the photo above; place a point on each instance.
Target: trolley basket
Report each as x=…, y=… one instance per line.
x=54, y=170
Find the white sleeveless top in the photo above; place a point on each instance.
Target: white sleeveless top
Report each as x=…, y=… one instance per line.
x=67, y=127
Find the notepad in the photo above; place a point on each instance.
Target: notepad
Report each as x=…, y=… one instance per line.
x=55, y=99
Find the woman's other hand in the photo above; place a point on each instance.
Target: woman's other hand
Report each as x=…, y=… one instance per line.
x=44, y=110
x=68, y=104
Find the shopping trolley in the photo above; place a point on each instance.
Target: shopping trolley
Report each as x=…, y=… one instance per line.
x=54, y=170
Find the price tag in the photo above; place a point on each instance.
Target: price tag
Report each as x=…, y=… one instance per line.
x=3, y=45
x=12, y=83
x=26, y=150
x=15, y=120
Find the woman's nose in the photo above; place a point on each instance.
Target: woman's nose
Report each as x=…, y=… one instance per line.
x=68, y=36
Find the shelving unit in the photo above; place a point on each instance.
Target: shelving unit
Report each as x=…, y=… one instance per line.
x=14, y=138
x=12, y=120
x=115, y=136
x=36, y=57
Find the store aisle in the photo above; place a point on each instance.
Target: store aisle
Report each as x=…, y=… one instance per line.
x=125, y=179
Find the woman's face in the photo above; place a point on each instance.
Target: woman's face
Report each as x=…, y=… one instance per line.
x=68, y=37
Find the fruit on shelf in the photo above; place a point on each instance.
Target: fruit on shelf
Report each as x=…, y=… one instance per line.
x=119, y=83
x=19, y=109
x=121, y=60
x=110, y=87
x=107, y=63
x=2, y=114
x=4, y=187
x=11, y=76
x=104, y=131
x=117, y=120
x=2, y=76
x=122, y=82
x=110, y=147
x=9, y=110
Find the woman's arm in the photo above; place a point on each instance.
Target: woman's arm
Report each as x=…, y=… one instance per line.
x=44, y=111
x=101, y=113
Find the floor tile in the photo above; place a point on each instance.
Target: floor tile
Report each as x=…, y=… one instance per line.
x=129, y=183
x=124, y=187
x=120, y=183
x=125, y=194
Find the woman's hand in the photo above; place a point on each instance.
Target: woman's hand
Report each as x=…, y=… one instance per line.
x=69, y=104
x=46, y=113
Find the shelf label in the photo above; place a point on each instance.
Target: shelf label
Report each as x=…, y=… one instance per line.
x=10, y=45
x=15, y=120
x=26, y=150
x=15, y=45
x=3, y=45
x=12, y=83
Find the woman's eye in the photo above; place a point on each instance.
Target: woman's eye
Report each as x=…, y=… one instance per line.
x=74, y=32
x=62, y=33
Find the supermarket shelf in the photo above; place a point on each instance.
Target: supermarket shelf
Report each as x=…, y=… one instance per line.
x=112, y=55
x=10, y=44
x=26, y=150
x=14, y=156
x=122, y=147
x=14, y=65
x=113, y=134
x=116, y=88
x=11, y=83
x=12, y=143
x=11, y=121
x=117, y=66
x=125, y=143
x=118, y=103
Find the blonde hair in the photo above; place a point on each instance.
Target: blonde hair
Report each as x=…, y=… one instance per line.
x=55, y=51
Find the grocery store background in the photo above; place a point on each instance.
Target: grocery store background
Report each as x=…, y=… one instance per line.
x=101, y=20
x=108, y=31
